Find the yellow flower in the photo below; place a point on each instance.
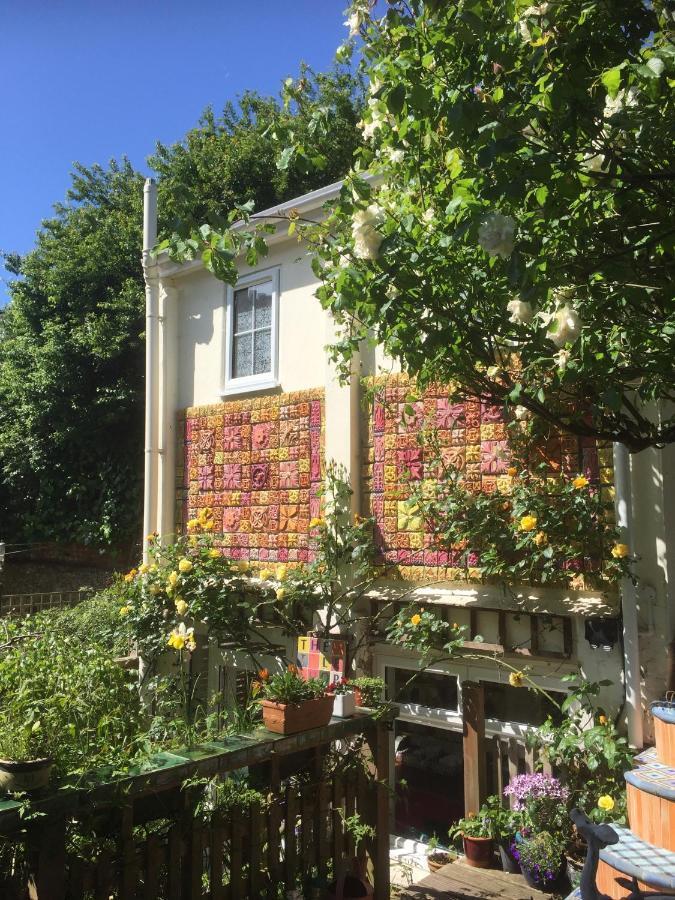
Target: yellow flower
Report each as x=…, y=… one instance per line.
x=606, y=802
x=144, y=569
x=541, y=539
x=193, y=524
x=182, y=637
x=516, y=679
x=242, y=565
x=282, y=572
x=512, y=471
x=207, y=526
x=580, y=482
x=173, y=579
x=184, y=566
x=602, y=720
x=128, y=577
x=151, y=537
x=620, y=551
x=416, y=619
x=265, y=574
x=153, y=568
x=181, y=606
x=124, y=611
x=214, y=553
x=193, y=541
x=528, y=523
x=154, y=589
x=316, y=522
x=281, y=593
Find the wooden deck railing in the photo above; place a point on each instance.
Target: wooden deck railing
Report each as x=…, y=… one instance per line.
x=144, y=836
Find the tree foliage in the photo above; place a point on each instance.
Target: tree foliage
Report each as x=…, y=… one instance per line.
x=520, y=243
x=71, y=339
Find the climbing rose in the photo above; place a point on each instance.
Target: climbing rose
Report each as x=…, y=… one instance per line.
x=606, y=802
x=528, y=523
x=521, y=312
x=562, y=357
x=580, y=482
x=567, y=326
x=367, y=238
x=516, y=679
x=496, y=235
x=620, y=551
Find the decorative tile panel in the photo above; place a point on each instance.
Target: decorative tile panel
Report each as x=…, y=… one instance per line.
x=473, y=439
x=258, y=464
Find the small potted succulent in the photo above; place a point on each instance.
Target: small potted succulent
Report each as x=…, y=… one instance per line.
x=477, y=832
x=543, y=863
x=437, y=856
x=291, y=703
x=25, y=756
x=368, y=690
x=345, y=702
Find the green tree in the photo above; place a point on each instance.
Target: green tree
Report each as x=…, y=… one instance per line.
x=71, y=339
x=521, y=242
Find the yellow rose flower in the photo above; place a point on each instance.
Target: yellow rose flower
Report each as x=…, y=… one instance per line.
x=602, y=720
x=265, y=574
x=606, y=802
x=541, y=539
x=416, y=619
x=214, y=553
x=281, y=593
x=528, y=523
x=173, y=579
x=512, y=471
x=316, y=522
x=151, y=537
x=181, y=606
x=124, y=611
x=154, y=589
x=193, y=524
x=282, y=572
x=182, y=638
x=153, y=568
x=144, y=569
x=184, y=566
x=128, y=577
x=208, y=525
x=242, y=565
x=620, y=551
x=516, y=679
x=579, y=482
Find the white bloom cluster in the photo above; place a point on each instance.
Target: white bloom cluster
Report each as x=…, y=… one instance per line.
x=540, y=10
x=522, y=413
x=593, y=162
x=562, y=357
x=521, y=311
x=623, y=100
x=566, y=325
x=378, y=118
x=366, y=237
x=353, y=23
x=496, y=235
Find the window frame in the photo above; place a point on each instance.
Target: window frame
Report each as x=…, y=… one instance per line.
x=264, y=380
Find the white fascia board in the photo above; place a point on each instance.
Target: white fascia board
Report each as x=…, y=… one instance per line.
x=304, y=204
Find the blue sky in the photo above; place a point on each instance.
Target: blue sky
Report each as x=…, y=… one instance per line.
x=88, y=81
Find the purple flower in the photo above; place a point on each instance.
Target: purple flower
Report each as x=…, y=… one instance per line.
x=526, y=788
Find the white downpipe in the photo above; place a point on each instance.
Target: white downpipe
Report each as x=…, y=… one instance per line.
x=151, y=349
x=629, y=602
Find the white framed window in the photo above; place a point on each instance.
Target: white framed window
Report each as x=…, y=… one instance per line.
x=252, y=333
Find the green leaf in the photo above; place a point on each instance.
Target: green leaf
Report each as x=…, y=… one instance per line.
x=612, y=80
x=541, y=194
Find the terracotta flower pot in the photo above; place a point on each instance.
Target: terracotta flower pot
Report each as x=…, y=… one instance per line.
x=25, y=775
x=438, y=859
x=479, y=851
x=289, y=718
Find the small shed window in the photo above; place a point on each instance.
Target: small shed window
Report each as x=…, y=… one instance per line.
x=251, y=337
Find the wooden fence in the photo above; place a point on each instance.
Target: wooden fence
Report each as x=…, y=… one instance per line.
x=144, y=837
x=19, y=605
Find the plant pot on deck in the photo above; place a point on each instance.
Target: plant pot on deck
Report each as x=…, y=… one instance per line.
x=438, y=859
x=509, y=864
x=25, y=775
x=559, y=884
x=479, y=851
x=290, y=718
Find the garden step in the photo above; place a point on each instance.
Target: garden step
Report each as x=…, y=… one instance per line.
x=639, y=859
x=653, y=778
x=647, y=757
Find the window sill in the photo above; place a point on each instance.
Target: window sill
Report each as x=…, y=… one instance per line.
x=249, y=386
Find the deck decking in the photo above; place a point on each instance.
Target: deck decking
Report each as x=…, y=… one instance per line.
x=457, y=881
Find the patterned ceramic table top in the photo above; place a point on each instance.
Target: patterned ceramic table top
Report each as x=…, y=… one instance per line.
x=632, y=856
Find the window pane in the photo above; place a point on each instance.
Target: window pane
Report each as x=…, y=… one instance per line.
x=522, y=705
x=425, y=689
x=263, y=305
x=242, y=355
x=262, y=356
x=243, y=310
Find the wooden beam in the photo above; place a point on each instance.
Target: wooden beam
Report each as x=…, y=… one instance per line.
x=381, y=861
x=473, y=706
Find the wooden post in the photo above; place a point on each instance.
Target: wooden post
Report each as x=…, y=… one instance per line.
x=47, y=854
x=473, y=703
x=381, y=861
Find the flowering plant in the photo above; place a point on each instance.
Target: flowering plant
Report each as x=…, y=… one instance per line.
x=343, y=686
x=542, y=798
x=288, y=686
x=424, y=630
x=542, y=855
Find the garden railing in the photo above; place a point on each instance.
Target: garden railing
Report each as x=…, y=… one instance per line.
x=145, y=835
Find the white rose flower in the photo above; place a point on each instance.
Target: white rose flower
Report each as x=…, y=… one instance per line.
x=493, y=371
x=353, y=23
x=392, y=292
x=367, y=238
x=623, y=100
x=562, y=357
x=593, y=162
x=496, y=235
x=521, y=311
x=567, y=326
x=396, y=156
x=521, y=413
x=428, y=215
x=540, y=10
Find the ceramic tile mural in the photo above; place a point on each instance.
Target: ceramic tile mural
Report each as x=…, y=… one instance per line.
x=473, y=438
x=258, y=464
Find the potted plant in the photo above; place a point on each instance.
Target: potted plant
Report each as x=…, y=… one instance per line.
x=506, y=823
x=477, y=832
x=25, y=756
x=542, y=800
x=543, y=863
x=368, y=690
x=345, y=702
x=437, y=856
x=291, y=703
x=352, y=880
